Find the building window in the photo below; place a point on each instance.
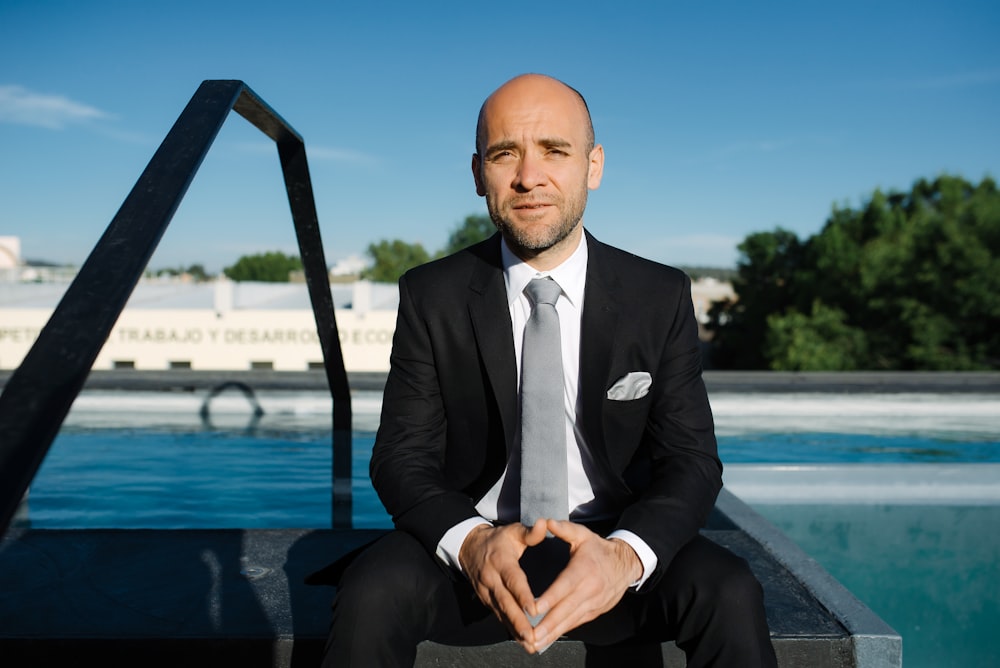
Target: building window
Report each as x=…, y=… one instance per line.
x=262, y=365
x=123, y=364
x=316, y=366
x=180, y=364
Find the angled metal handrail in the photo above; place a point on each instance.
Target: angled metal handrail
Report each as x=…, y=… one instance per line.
x=39, y=394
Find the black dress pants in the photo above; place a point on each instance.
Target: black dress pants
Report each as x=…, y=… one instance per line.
x=395, y=595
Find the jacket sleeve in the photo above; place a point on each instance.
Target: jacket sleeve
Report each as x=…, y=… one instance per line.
x=408, y=459
x=678, y=448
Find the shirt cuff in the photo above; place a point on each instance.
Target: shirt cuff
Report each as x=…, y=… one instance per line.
x=451, y=542
x=646, y=555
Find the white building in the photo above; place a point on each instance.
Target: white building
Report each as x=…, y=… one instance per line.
x=222, y=325
x=10, y=258
x=215, y=326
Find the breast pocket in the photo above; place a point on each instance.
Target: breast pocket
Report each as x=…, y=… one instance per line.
x=624, y=427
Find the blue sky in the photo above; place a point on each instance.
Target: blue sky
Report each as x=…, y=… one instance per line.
x=718, y=119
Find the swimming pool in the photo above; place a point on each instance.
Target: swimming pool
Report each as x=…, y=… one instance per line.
x=898, y=496
x=148, y=459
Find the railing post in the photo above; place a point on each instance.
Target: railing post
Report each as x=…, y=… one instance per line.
x=39, y=394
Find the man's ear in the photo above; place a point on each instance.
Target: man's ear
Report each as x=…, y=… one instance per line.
x=595, y=170
x=477, y=174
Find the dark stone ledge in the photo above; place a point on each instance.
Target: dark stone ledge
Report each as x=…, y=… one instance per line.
x=186, y=380
x=207, y=597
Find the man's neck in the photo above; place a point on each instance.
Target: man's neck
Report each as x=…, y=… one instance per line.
x=549, y=258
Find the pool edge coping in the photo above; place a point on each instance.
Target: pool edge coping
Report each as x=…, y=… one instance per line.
x=875, y=643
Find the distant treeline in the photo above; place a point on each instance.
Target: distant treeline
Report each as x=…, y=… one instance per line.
x=907, y=281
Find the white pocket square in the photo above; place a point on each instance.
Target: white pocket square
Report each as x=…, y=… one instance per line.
x=633, y=385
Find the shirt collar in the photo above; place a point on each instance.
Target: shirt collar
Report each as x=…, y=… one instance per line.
x=571, y=275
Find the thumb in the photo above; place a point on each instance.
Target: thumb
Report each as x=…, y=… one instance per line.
x=565, y=530
x=535, y=534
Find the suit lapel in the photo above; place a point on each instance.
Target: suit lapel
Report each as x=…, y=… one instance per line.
x=491, y=322
x=490, y=316
x=598, y=329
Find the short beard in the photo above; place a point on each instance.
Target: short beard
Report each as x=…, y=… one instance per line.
x=538, y=240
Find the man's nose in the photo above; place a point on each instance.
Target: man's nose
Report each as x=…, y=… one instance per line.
x=530, y=172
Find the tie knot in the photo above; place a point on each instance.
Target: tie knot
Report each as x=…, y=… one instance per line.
x=542, y=291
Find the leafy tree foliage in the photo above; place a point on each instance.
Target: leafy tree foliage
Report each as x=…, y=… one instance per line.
x=767, y=259
x=820, y=340
x=195, y=271
x=473, y=229
x=271, y=267
x=393, y=259
x=906, y=281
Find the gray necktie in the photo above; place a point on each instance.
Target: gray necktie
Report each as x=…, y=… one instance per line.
x=543, y=416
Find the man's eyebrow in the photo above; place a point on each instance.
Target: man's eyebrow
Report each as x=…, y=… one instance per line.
x=547, y=142
x=555, y=142
x=502, y=145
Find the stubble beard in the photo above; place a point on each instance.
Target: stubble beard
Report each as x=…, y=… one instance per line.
x=533, y=239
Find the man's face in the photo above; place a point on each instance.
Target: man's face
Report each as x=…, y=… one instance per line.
x=536, y=164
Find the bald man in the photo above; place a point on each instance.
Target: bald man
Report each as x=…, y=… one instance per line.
x=626, y=563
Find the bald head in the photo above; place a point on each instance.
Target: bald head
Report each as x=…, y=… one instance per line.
x=535, y=162
x=534, y=89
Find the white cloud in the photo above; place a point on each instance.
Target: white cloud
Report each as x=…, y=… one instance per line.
x=344, y=155
x=20, y=106
x=317, y=153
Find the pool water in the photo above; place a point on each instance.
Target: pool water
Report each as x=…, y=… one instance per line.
x=134, y=478
x=147, y=459
x=217, y=478
x=931, y=571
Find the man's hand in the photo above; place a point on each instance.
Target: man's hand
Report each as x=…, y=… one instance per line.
x=489, y=556
x=598, y=574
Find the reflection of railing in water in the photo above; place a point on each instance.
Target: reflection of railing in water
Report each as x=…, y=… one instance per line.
x=41, y=391
x=206, y=412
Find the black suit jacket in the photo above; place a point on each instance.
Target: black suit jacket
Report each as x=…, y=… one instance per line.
x=449, y=412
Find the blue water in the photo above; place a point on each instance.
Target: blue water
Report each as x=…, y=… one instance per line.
x=931, y=571
x=212, y=478
x=833, y=448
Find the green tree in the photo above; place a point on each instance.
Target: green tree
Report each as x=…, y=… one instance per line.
x=392, y=259
x=270, y=267
x=473, y=229
x=819, y=341
x=908, y=280
x=762, y=283
x=195, y=271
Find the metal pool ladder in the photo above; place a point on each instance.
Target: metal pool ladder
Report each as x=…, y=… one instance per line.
x=39, y=394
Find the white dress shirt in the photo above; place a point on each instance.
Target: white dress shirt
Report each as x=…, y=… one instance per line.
x=502, y=502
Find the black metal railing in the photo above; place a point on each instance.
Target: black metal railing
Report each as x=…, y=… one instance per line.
x=40, y=393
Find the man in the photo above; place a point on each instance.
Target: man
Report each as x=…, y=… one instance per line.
x=640, y=452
